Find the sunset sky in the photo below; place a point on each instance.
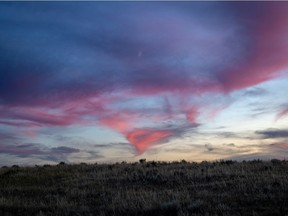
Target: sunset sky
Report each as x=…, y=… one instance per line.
x=119, y=81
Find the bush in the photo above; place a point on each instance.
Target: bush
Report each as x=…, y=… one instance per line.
x=276, y=162
x=142, y=160
x=128, y=189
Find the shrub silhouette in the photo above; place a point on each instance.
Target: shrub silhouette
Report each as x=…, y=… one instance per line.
x=143, y=160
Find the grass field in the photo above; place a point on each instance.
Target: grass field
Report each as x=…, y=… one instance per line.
x=147, y=188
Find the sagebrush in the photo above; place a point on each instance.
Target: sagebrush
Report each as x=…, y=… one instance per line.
x=147, y=188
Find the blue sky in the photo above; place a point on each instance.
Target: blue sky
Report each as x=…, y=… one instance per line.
x=113, y=81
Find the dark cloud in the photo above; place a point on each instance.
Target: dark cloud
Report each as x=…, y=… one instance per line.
x=238, y=135
x=230, y=145
x=7, y=136
x=272, y=133
x=24, y=150
x=19, y=123
x=73, y=56
x=256, y=92
x=235, y=135
x=37, y=150
x=63, y=150
x=209, y=147
x=113, y=145
x=260, y=109
x=228, y=134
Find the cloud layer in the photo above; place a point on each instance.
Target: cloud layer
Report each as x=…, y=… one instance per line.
x=134, y=67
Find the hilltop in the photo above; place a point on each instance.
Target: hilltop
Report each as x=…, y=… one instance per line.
x=147, y=188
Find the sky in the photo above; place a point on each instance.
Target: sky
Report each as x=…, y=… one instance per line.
x=119, y=81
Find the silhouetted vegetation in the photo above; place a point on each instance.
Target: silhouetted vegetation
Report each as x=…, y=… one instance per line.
x=147, y=188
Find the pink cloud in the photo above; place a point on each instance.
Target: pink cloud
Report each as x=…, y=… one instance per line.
x=142, y=139
x=280, y=145
x=176, y=39
x=282, y=114
x=268, y=50
x=119, y=121
x=191, y=115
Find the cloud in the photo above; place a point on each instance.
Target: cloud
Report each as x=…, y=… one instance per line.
x=273, y=133
x=121, y=122
x=228, y=134
x=19, y=123
x=45, y=118
x=256, y=92
x=37, y=150
x=63, y=150
x=276, y=150
x=234, y=135
x=162, y=37
x=229, y=144
x=144, y=138
x=280, y=145
x=209, y=147
x=21, y=150
x=7, y=136
x=283, y=112
x=268, y=44
x=61, y=68
x=114, y=145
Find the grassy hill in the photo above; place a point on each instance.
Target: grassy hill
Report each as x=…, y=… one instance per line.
x=147, y=188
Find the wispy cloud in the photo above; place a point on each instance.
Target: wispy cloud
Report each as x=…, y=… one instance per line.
x=283, y=112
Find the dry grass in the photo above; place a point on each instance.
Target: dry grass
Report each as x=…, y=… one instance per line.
x=147, y=188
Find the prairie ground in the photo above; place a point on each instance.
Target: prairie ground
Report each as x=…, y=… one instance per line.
x=147, y=188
